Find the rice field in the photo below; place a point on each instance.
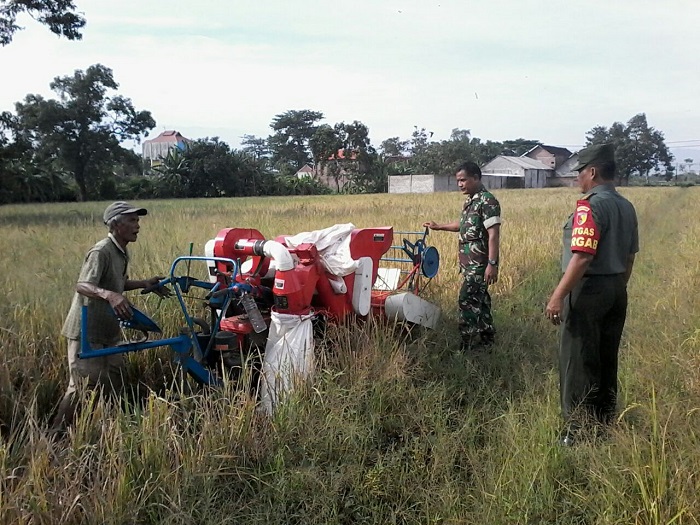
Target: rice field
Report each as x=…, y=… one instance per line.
x=392, y=429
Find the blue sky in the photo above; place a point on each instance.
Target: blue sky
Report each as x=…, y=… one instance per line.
x=547, y=70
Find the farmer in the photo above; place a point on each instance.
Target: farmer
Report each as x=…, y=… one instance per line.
x=479, y=234
x=103, y=280
x=599, y=245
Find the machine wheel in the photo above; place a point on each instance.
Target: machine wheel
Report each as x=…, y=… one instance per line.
x=430, y=263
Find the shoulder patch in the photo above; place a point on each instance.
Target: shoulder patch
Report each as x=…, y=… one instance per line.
x=585, y=234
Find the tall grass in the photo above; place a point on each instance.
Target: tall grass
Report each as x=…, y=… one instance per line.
x=395, y=427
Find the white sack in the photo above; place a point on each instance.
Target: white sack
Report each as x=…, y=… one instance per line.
x=333, y=245
x=289, y=357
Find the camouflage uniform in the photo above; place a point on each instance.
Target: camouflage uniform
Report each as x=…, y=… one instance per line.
x=480, y=212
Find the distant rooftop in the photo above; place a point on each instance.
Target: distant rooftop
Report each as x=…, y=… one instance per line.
x=554, y=150
x=526, y=162
x=168, y=136
x=341, y=155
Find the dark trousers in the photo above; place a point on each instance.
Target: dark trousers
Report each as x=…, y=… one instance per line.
x=594, y=316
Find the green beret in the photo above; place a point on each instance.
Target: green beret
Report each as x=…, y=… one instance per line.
x=597, y=153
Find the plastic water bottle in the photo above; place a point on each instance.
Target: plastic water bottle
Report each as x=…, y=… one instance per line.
x=251, y=308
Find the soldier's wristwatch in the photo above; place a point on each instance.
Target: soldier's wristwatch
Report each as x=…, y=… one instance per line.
x=493, y=262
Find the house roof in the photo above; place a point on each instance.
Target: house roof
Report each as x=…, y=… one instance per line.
x=168, y=136
x=507, y=175
x=524, y=162
x=305, y=169
x=554, y=150
x=565, y=169
x=340, y=155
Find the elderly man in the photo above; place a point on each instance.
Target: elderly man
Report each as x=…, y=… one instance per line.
x=479, y=239
x=102, y=282
x=599, y=245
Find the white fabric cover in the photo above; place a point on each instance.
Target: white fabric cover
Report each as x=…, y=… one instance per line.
x=333, y=245
x=289, y=357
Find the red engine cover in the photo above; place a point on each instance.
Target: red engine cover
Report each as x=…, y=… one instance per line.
x=225, y=246
x=364, y=242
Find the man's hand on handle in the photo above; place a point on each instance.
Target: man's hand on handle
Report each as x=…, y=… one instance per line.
x=120, y=305
x=151, y=285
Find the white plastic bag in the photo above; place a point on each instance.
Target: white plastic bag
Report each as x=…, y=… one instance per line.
x=289, y=357
x=333, y=245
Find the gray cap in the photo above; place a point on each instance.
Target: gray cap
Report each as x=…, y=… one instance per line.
x=595, y=153
x=120, y=208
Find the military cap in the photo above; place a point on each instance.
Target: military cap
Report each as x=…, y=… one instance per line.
x=121, y=208
x=596, y=153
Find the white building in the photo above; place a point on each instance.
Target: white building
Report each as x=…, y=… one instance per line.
x=422, y=183
x=158, y=148
x=515, y=172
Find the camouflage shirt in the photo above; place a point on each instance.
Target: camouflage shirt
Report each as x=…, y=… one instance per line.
x=480, y=212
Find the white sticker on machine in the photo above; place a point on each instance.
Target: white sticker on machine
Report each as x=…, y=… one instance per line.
x=279, y=283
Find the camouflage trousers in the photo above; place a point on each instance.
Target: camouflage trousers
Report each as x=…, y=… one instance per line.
x=475, y=317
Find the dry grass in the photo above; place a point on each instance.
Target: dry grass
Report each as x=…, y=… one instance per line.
x=393, y=429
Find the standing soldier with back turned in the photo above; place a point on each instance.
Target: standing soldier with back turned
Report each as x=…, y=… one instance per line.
x=599, y=246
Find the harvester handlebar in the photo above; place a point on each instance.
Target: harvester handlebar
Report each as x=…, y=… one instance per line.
x=220, y=293
x=236, y=289
x=156, y=286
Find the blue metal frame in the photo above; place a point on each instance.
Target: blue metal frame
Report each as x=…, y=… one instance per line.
x=186, y=347
x=418, y=254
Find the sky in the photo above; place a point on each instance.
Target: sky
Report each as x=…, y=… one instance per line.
x=537, y=69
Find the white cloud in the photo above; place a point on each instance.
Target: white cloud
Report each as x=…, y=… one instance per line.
x=549, y=70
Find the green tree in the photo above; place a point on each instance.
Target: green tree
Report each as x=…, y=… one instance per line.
x=483, y=152
x=257, y=147
x=22, y=181
x=59, y=16
x=517, y=147
x=354, y=136
x=324, y=144
x=689, y=162
x=210, y=168
x=357, y=145
x=394, y=147
x=172, y=175
x=24, y=178
x=442, y=157
x=420, y=141
x=83, y=129
x=289, y=145
x=639, y=148
x=354, y=159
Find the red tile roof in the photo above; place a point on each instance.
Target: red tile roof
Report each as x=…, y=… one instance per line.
x=340, y=155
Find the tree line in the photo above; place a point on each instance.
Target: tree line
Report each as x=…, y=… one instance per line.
x=70, y=148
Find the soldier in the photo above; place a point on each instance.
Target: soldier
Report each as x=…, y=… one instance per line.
x=479, y=233
x=599, y=245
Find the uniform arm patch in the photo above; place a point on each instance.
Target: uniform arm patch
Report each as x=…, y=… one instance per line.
x=492, y=221
x=585, y=234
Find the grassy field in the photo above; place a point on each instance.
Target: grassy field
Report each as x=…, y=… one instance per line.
x=391, y=430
